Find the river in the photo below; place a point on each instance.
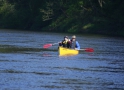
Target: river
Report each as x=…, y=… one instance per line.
x=25, y=65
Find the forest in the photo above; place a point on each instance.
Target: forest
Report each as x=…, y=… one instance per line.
x=69, y=16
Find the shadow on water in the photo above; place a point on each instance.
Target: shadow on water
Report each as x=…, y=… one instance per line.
x=14, y=49
x=19, y=72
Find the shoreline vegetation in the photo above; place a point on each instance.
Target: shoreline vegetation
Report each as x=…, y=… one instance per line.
x=67, y=33
x=102, y=17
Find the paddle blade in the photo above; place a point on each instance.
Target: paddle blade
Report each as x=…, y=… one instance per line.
x=47, y=45
x=89, y=49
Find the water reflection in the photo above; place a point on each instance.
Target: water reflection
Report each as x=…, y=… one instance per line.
x=46, y=55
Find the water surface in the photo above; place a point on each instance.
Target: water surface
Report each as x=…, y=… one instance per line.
x=25, y=65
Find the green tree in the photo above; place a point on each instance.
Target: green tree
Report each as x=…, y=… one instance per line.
x=80, y=16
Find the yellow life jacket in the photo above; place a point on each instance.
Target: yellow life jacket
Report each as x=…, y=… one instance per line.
x=64, y=42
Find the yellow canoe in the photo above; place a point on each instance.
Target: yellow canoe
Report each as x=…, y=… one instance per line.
x=67, y=52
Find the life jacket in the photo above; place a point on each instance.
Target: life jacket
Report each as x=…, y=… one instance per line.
x=64, y=43
x=73, y=44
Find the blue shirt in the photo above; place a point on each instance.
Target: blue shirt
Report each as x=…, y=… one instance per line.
x=77, y=45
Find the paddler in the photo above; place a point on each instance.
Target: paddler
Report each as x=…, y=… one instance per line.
x=74, y=43
x=65, y=43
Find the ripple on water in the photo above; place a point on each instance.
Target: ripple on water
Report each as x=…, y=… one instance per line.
x=25, y=65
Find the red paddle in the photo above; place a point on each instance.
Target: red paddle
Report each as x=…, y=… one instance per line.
x=88, y=49
x=49, y=45
x=85, y=49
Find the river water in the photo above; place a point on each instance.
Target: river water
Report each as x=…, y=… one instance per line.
x=25, y=65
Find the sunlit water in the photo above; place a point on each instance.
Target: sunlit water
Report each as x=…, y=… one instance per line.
x=25, y=65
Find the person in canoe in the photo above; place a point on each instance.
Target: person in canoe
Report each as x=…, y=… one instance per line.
x=74, y=43
x=65, y=43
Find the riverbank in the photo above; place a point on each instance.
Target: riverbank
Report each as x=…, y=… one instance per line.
x=90, y=31
x=77, y=33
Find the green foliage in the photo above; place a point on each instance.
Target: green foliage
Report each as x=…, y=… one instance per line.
x=87, y=26
x=73, y=16
x=6, y=11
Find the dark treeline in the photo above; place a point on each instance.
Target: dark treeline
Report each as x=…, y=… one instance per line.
x=73, y=16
